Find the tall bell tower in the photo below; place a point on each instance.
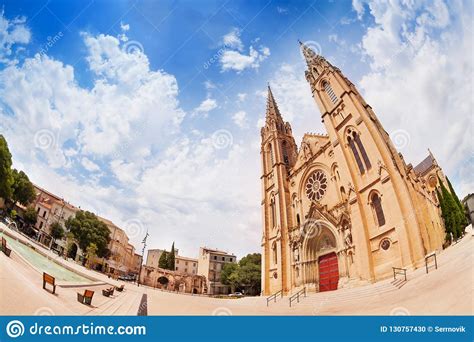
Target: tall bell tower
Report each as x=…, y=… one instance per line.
x=381, y=200
x=278, y=155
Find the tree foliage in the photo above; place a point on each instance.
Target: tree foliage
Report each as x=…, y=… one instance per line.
x=6, y=177
x=244, y=276
x=30, y=216
x=23, y=190
x=87, y=229
x=170, y=260
x=91, y=253
x=450, y=212
x=57, y=231
x=163, y=262
x=462, y=216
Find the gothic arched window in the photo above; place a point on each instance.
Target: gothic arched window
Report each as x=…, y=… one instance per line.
x=273, y=212
x=274, y=253
x=298, y=220
x=270, y=156
x=358, y=150
x=377, y=207
x=328, y=89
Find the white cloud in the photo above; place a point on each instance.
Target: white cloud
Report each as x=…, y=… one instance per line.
x=232, y=40
x=233, y=57
x=234, y=60
x=240, y=119
x=124, y=27
x=89, y=165
x=421, y=79
x=205, y=107
x=241, y=97
x=209, y=85
x=12, y=33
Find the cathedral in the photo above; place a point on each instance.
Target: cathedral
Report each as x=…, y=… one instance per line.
x=343, y=208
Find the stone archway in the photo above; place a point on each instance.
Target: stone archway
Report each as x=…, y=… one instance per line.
x=320, y=260
x=162, y=282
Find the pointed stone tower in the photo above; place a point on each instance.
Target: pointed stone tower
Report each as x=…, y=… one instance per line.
x=278, y=155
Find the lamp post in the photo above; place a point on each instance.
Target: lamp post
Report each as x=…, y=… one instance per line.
x=143, y=253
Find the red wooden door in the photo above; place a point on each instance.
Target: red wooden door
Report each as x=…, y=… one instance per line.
x=328, y=272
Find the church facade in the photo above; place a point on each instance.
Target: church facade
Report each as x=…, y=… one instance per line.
x=343, y=208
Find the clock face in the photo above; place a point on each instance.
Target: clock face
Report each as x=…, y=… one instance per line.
x=316, y=185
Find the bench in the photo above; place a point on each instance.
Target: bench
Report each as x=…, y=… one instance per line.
x=49, y=279
x=86, y=297
x=120, y=289
x=427, y=258
x=108, y=292
x=7, y=251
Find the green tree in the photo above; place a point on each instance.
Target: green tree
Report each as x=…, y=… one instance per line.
x=88, y=229
x=23, y=190
x=6, y=177
x=230, y=275
x=250, y=273
x=450, y=213
x=91, y=253
x=170, y=260
x=30, y=216
x=57, y=231
x=462, y=216
x=246, y=275
x=163, y=262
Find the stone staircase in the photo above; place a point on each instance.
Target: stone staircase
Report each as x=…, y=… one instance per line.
x=318, y=299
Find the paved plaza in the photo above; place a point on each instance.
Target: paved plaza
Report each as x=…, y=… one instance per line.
x=447, y=290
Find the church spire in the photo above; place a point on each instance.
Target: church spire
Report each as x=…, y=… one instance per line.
x=309, y=54
x=272, y=107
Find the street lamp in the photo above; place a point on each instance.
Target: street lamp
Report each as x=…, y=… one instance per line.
x=143, y=253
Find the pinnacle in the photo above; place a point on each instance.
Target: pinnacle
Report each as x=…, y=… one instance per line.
x=272, y=107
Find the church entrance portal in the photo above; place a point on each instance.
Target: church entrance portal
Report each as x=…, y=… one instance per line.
x=328, y=272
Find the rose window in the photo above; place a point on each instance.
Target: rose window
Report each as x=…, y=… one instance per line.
x=316, y=185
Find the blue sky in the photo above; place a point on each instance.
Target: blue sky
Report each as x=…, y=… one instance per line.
x=148, y=112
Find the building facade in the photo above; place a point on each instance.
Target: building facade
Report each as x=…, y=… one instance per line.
x=344, y=207
x=186, y=265
x=170, y=280
x=154, y=255
x=210, y=265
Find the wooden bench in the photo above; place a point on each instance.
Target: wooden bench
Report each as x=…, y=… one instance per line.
x=108, y=292
x=49, y=279
x=86, y=297
x=120, y=289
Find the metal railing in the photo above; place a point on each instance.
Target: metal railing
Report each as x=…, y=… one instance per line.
x=274, y=296
x=297, y=295
x=398, y=270
x=427, y=260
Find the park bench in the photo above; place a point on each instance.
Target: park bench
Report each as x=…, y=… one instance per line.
x=49, y=279
x=5, y=249
x=108, y=292
x=86, y=297
x=120, y=289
